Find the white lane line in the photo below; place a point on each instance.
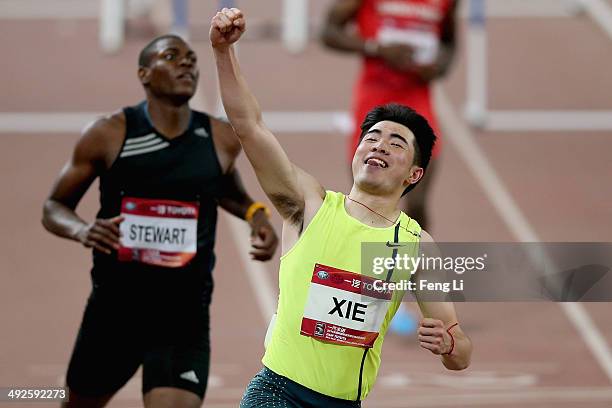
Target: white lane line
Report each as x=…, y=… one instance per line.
x=338, y=122
x=464, y=142
x=70, y=122
x=527, y=8
x=52, y=122
x=545, y=120
x=48, y=9
x=511, y=398
x=65, y=9
x=322, y=122
x=600, y=12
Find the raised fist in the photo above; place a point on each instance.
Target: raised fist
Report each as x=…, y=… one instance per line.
x=226, y=27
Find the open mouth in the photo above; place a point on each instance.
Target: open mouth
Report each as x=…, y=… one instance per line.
x=376, y=162
x=187, y=75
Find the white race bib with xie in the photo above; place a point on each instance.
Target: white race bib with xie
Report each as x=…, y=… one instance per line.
x=158, y=232
x=344, y=308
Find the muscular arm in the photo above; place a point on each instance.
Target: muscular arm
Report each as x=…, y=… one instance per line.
x=92, y=154
x=287, y=187
x=233, y=198
x=460, y=357
x=438, y=317
x=335, y=33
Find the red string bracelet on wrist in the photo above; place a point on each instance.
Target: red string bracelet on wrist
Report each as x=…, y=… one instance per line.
x=452, y=340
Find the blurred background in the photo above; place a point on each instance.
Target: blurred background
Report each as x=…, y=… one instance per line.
x=526, y=121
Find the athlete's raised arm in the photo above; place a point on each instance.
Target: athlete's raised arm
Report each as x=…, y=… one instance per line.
x=288, y=187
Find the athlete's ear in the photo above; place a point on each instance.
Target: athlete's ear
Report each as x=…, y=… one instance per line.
x=416, y=173
x=144, y=74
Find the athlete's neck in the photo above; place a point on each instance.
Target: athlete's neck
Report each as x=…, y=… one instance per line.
x=170, y=120
x=371, y=209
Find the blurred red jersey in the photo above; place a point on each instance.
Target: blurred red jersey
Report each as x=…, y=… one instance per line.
x=417, y=23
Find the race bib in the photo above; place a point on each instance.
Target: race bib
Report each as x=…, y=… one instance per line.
x=425, y=43
x=158, y=232
x=344, y=307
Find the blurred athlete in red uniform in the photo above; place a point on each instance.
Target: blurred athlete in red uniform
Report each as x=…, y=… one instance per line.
x=406, y=45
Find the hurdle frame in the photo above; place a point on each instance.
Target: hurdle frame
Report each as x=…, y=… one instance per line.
x=476, y=110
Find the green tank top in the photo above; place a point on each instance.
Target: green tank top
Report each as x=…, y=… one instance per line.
x=332, y=238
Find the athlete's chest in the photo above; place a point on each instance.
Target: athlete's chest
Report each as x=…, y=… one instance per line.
x=404, y=11
x=151, y=163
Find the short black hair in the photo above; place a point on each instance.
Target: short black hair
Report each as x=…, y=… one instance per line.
x=424, y=136
x=146, y=54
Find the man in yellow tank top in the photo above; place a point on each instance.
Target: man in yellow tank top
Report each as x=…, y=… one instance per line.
x=324, y=349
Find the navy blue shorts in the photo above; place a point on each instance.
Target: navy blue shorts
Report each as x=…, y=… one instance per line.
x=268, y=389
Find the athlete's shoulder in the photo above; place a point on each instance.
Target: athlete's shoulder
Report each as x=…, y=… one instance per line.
x=112, y=122
x=332, y=200
x=426, y=237
x=331, y=196
x=409, y=226
x=101, y=139
x=209, y=122
x=428, y=246
x=203, y=117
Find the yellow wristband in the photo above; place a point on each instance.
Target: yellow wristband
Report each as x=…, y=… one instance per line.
x=254, y=208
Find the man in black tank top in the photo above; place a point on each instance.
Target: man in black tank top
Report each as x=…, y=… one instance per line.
x=163, y=170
